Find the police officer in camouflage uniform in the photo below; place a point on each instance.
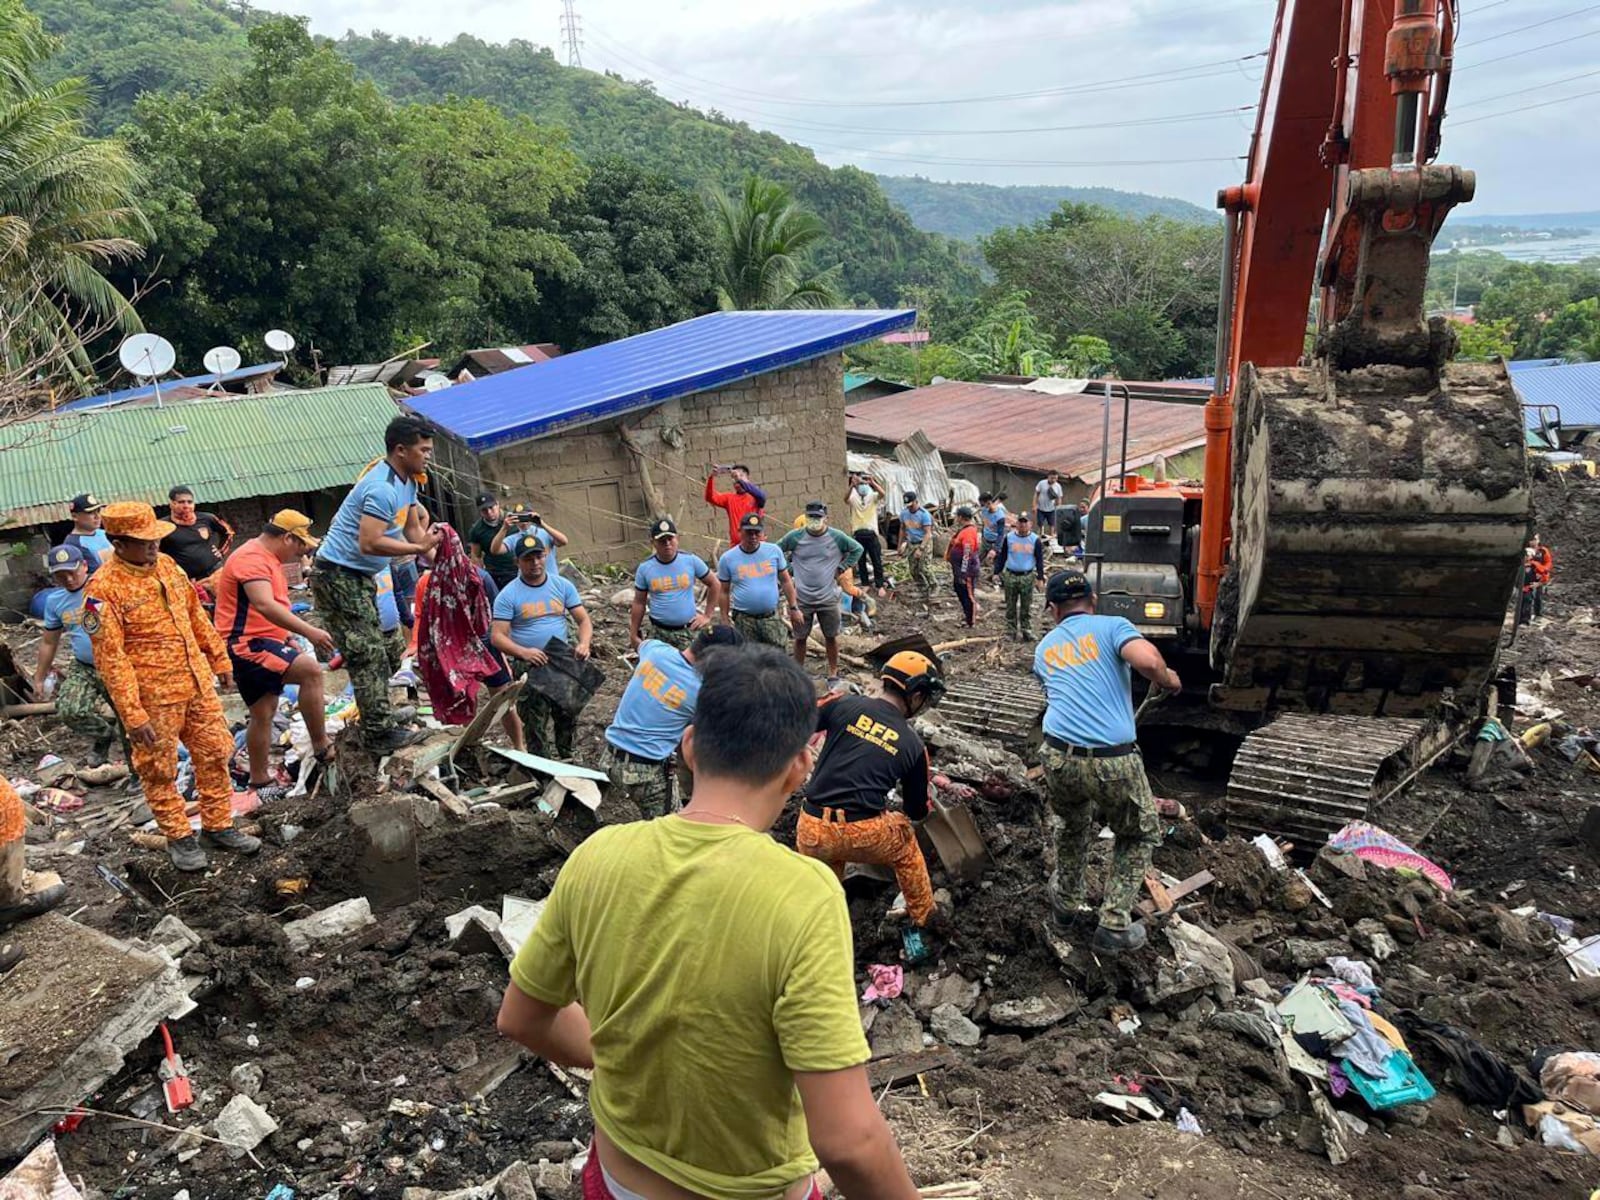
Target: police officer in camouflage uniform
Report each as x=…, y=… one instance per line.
x=1019, y=565
x=82, y=702
x=656, y=707
x=1092, y=765
x=754, y=575
x=378, y=521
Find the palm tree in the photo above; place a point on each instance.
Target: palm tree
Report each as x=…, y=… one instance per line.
x=765, y=242
x=67, y=212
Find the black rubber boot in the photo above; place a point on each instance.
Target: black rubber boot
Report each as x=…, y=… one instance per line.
x=1115, y=941
x=32, y=905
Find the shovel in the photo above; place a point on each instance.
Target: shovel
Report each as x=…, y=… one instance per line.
x=174, y=1076
x=956, y=839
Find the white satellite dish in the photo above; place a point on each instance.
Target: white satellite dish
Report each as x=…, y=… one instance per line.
x=433, y=381
x=219, y=360
x=147, y=355
x=279, y=341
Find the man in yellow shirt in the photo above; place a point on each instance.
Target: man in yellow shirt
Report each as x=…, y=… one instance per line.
x=727, y=1051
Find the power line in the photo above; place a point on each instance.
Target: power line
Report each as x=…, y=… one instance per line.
x=641, y=61
x=1526, y=108
x=1494, y=37
x=1524, y=91
x=1456, y=70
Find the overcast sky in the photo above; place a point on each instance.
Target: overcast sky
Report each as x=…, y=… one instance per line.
x=824, y=73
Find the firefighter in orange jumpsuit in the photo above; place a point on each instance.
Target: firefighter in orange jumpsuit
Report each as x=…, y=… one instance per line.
x=156, y=650
x=23, y=894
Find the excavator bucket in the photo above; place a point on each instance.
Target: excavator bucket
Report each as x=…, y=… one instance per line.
x=1379, y=522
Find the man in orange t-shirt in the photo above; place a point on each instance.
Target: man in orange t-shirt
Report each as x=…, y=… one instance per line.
x=254, y=620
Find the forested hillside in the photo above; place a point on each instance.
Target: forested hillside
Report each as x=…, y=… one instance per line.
x=974, y=210
x=125, y=47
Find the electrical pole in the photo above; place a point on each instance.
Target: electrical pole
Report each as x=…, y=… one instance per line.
x=571, y=33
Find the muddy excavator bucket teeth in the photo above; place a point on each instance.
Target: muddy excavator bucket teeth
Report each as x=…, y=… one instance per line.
x=1379, y=520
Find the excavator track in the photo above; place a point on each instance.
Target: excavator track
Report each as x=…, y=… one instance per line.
x=1305, y=775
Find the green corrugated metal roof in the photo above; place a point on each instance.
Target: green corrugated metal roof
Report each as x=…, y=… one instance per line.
x=225, y=449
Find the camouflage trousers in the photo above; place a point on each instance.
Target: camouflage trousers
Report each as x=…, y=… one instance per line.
x=649, y=785
x=765, y=631
x=549, y=731
x=680, y=639
x=84, y=706
x=921, y=573
x=1019, y=602
x=348, y=607
x=1117, y=791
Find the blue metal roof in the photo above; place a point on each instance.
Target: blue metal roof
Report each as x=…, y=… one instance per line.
x=147, y=389
x=644, y=370
x=1574, y=388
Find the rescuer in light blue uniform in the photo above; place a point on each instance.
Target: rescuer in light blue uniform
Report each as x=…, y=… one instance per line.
x=1092, y=763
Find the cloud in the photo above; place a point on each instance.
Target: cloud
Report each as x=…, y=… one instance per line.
x=1156, y=95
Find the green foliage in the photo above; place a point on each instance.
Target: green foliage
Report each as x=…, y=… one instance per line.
x=974, y=210
x=1008, y=340
x=644, y=250
x=917, y=366
x=1573, y=333
x=765, y=243
x=1148, y=287
x=67, y=212
x=1484, y=340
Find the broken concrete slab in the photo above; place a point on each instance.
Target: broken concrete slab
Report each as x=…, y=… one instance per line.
x=243, y=1125
x=247, y=1079
x=72, y=1010
x=896, y=1031
x=339, y=920
x=173, y=936
x=517, y=920
x=386, y=851
x=1034, y=1012
x=949, y=989
x=950, y=1024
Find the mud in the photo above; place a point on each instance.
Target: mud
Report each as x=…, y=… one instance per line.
x=396, y=1013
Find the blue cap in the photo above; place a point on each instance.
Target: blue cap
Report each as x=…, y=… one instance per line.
x=64, y=558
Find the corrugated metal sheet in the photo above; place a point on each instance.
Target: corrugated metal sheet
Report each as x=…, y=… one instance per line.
x=1016, y=427
x=199, y=381
x=247, y=446
x=1574, y=388
x=637, y=372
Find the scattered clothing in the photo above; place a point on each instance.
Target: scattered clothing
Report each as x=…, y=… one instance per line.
x=887, y=982
x=1378, y=846
x=452, y=623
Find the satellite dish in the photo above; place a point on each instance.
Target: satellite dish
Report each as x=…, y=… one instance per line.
x=219, y=360
x=433, y=381
x=279, y=341
x=147, y=355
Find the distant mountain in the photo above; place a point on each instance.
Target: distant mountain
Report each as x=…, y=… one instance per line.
x=1561, y=220
x=973, y=210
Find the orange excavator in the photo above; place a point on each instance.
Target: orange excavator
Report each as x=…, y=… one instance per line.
x=1347, y=565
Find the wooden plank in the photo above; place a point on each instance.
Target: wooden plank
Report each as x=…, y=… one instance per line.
x=902, y=1068
x=481, y=720
x=1158, y=891
x=448, y=800
x=1190, y=885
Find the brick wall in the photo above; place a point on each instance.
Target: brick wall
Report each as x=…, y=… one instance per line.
x=787, y=426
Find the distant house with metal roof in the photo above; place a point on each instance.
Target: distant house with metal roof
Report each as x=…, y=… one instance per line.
x=1004, y=438
x=1560, y=401
x=601, y=440
x=869, y=387
x=497, y=360
x=253, y=380
x=245, y=457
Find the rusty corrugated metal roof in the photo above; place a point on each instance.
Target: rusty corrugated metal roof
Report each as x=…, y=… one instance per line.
x=227, y=450
x=1018, y=427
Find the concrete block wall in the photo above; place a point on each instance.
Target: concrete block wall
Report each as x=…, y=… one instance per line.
x=786, y=425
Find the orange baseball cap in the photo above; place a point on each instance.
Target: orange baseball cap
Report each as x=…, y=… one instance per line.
x=296, y=524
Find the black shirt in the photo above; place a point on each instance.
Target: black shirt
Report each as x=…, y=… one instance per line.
x=870, y=749
x=199, y=548
x=502, y=567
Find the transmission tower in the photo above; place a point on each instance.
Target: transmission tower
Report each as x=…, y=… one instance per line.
x=572, y=34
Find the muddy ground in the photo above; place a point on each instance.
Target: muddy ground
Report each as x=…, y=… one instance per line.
x=397, y=1013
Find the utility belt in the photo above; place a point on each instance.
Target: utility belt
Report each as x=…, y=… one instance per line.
x=629, y=756
x=1072, y=751
x=667, y=628
x=1009, y=571
x=739, y=612
x=838, y=816
x=324, y=564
